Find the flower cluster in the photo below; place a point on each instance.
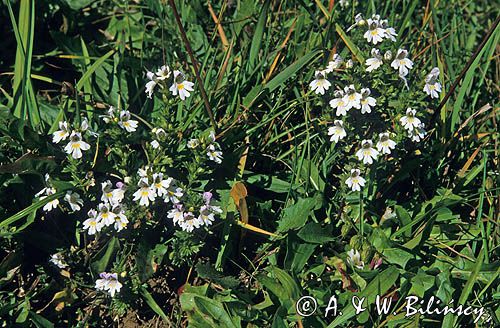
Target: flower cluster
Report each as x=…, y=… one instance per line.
x=122, y=119
x=209, y=145
x=108, y=282
x=185, y=218
x=152, y=185
x=356, y=96
x=76, y=143
x=109, y=212
x=179, y=84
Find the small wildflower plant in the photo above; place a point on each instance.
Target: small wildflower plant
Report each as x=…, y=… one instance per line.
x=126, y=174
x=370, y=103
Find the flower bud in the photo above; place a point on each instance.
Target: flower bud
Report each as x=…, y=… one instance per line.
x=388, y=55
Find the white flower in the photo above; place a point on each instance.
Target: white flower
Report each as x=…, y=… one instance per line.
x=106, y=216
x=402, y=63
x=207, y=214
x=145, y=193
x=76, y=145
x=92, y=224
x=74, y=200
x=163, y=73
x=173, y=193
x=349, y=63
x=143, y=172
x=121, y=220
x=118, y=193
x=367, y=153
x=214, y=154
x=418, y=133
x=352, y=99
x=320, y=83
x=107, y=191
x=58, y=260
x=208, y=211
x=84, y=126
x=358, y=21
x=190, y=222
x=335, y=63
x=155, y=144
x=375, y=33
x=47, y=192
x=150, y=87
x=388, y=55
x=344, y=3
x=367, y=102
x=108, y=282
x=354, y=258
x=339, y=103
x=110, y=117
x=62, y=133
x=410, y=121
x=385, y=144
x=390, y=32
x=374, y=62
x=181, y=86
x=193, y=143
x=161, y=185
x=176, y=213
x=355, y=181
x=337, y=131
x=432, y=86
x=211, y=136
x=126, y=123
x=159, y=133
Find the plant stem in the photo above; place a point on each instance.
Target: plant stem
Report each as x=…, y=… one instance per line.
x=195, y=65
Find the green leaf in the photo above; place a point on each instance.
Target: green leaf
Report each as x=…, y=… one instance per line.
x=295, y=216
x=105, y=256
x=316, y=234
x=153, y=305
x=216, y=311
x=258, y=34
x=205, y=270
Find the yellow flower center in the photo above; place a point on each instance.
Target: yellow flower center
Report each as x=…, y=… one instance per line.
x=180, y=86
x=75, y=145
